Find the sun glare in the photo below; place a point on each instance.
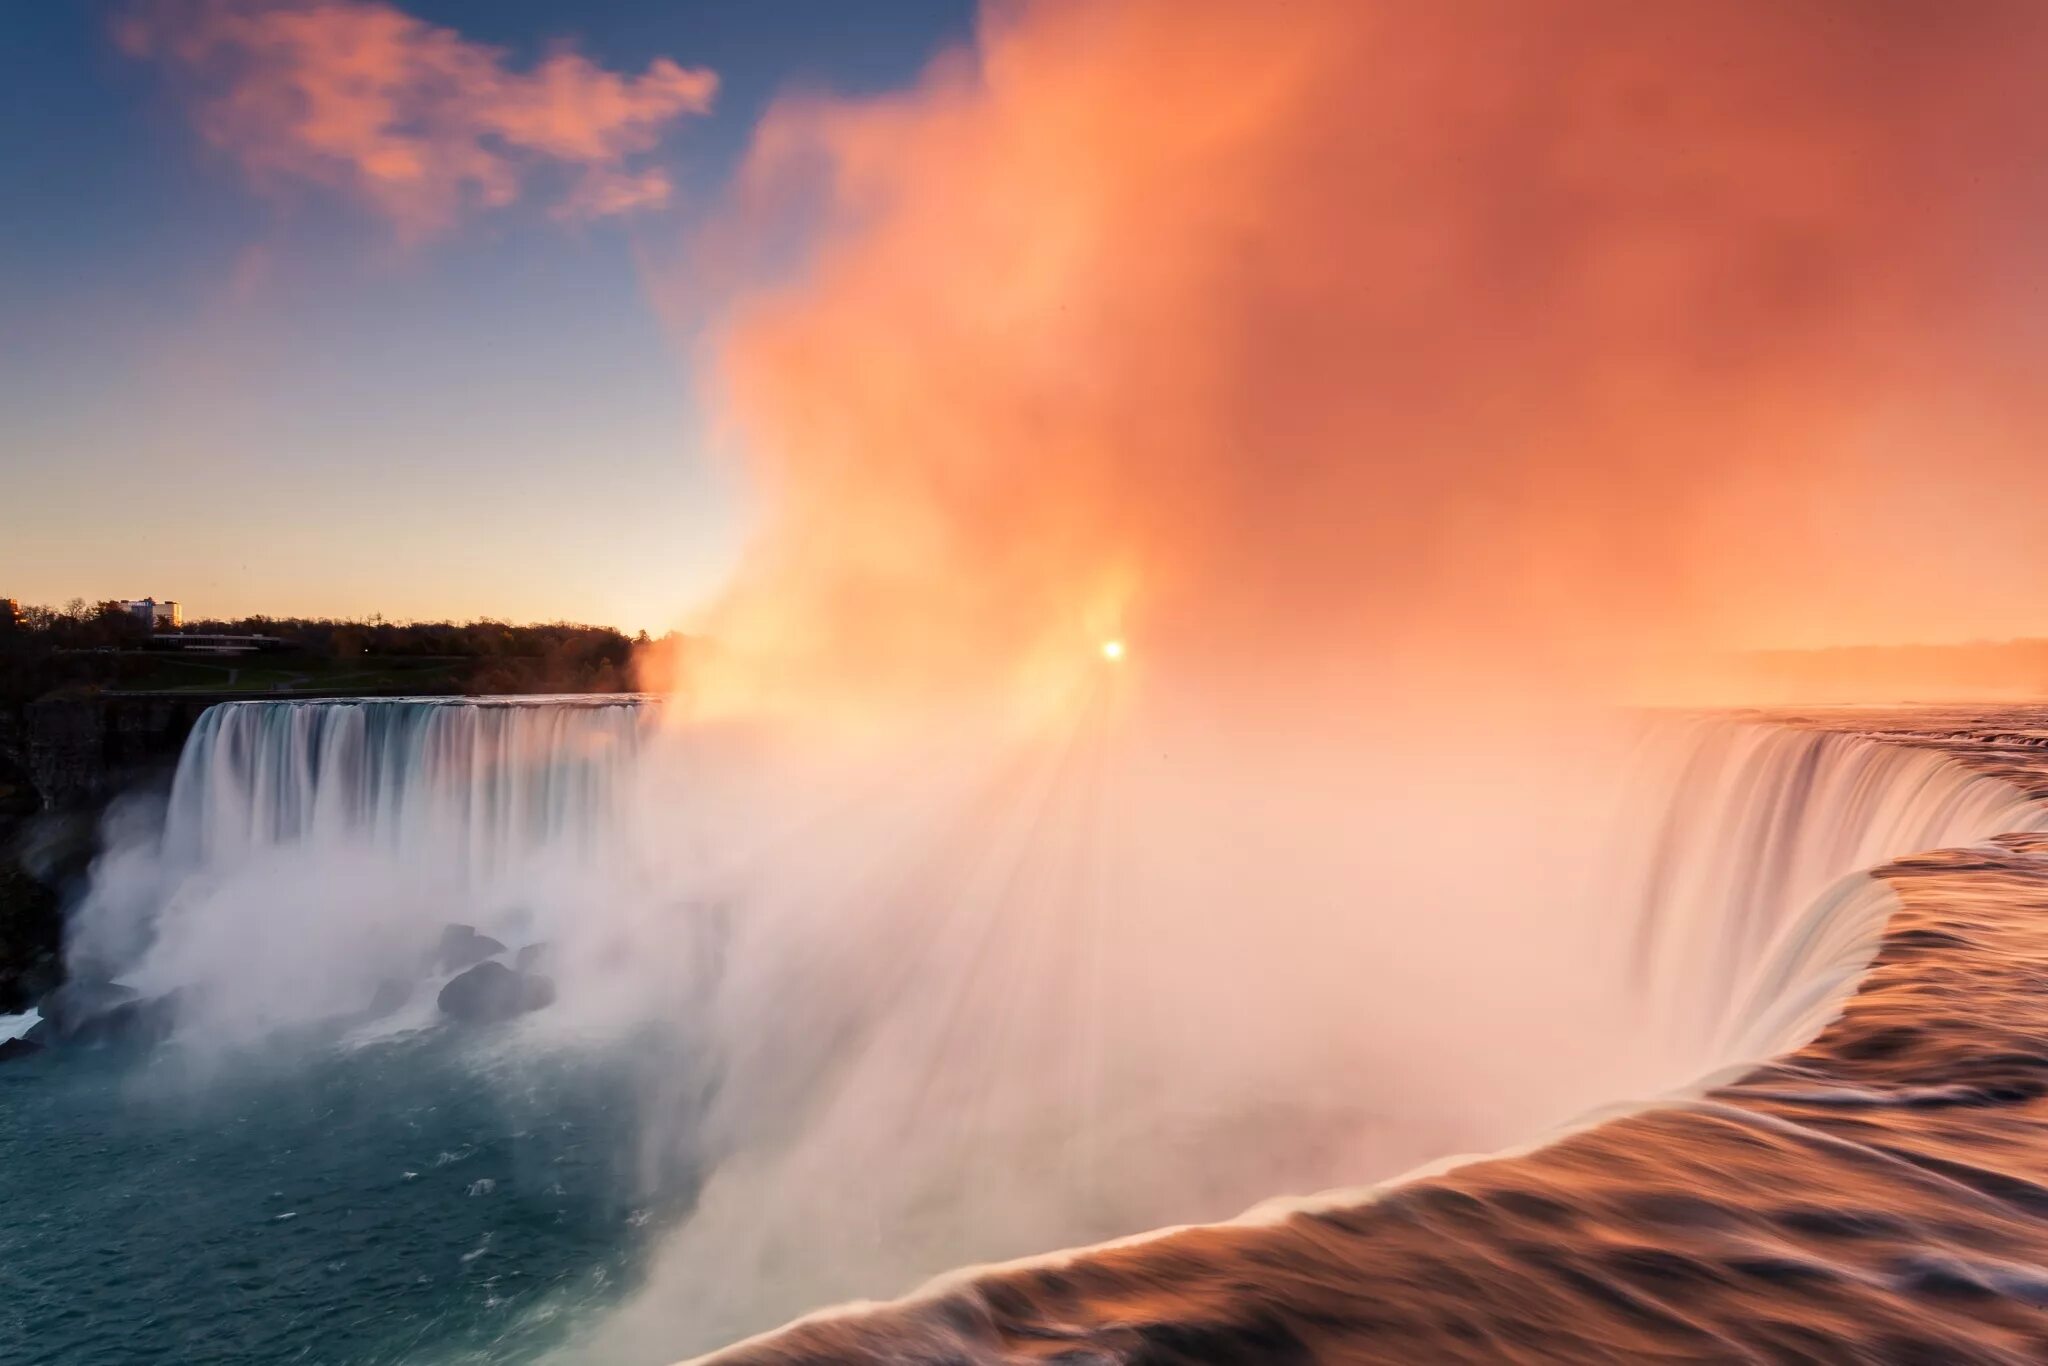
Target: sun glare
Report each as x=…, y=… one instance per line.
x=1112, y=650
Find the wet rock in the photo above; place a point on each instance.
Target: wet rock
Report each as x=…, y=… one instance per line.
x=96, y=1012
x=532, y=957
x=132, y=1024
x=69, y=1007
x=58, y=847
x=10, y=1049
x=462, y=947
x=490, y=993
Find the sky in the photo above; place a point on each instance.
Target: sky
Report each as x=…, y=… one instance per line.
x=911, y=339
x=254, y=389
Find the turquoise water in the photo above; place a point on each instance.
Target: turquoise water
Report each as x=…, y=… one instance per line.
x=425, y=1199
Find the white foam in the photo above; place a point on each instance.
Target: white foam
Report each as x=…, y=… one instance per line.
x=14, y=1026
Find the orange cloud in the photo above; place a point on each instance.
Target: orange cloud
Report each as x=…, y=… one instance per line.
x=1389, y=339
x=417, y=120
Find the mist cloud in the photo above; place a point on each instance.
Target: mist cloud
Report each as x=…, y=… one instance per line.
x=1387, y=337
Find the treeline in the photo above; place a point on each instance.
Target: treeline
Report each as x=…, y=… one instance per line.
x=555, y=656
x=47, y=649
x=102, y=645
x=79, y=625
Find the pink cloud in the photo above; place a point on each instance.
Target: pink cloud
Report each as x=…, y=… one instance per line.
x=420, y=122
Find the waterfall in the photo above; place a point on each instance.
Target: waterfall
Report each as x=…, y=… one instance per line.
x=1754, y=910
x=313, y=851
x=1734, y=888
x=1746, y=913
x=1159, y=981
x=484, y=782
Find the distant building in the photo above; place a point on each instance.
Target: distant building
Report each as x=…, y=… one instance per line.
x=158, y=616
x=10, y=614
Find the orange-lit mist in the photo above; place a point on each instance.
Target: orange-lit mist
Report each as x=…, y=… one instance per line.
x=1571, y=343
x=1398, y=383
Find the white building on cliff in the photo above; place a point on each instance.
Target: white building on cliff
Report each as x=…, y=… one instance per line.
x=160, y=616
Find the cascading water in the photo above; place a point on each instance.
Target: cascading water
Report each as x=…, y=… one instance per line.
x=310, y=823
x=312, y=850
x=487, y=783
x=1753, y=910
x=1732, y=907
x=1754, y=914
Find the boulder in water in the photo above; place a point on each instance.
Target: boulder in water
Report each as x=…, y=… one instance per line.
x=138, y=1023
x=94, y=1012
x=10, y=1049
x=462, y=947
x=490, y=993
x=80, y=1000
x=531, y=957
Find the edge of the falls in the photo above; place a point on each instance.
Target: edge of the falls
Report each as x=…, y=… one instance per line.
x=1859, y=912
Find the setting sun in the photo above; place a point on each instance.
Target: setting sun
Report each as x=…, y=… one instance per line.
x=1112, y=650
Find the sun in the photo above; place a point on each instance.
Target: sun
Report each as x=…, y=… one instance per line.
x=1112, y=650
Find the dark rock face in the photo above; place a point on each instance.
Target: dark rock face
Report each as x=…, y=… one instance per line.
x=61, y=759
x=57, y=847
x=462, y=947
x=31, y=925
x=10, y=1049
x=31, y=937
x=531, y=957
x=82, y=750
x=491, y=992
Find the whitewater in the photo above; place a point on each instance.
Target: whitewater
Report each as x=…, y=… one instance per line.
x=758, y=1096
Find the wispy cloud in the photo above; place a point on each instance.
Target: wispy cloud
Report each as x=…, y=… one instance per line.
x=418, y=121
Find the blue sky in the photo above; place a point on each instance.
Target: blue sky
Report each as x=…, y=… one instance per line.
x=263, y=399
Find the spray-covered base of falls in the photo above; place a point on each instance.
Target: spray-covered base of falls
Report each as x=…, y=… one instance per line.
x=1005, y=993
x=312, y=857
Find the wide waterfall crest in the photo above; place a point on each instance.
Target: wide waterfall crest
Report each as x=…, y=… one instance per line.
x=489, y=781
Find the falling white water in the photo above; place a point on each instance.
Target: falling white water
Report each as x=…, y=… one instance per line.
x=313, y=850
x=485, y=783
x=1754, y=908
x=988, y=1000
x=1311, y=976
